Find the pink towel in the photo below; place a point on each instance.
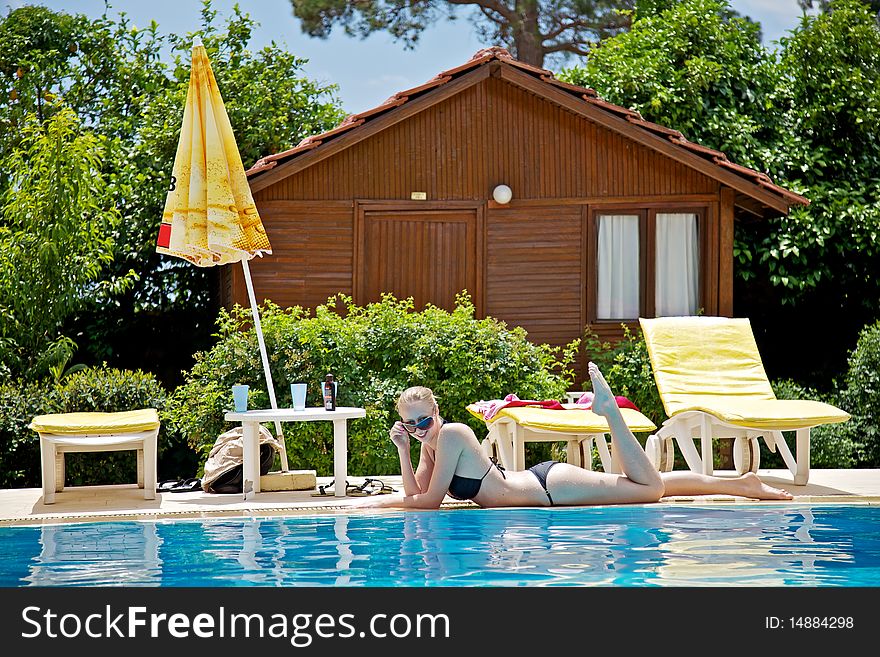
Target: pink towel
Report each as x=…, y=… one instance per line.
x=489, y=409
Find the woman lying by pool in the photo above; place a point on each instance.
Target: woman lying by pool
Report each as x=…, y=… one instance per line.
x=452, y=461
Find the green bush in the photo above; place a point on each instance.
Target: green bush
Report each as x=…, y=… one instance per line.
x=374, y=352
x=861, y=396
x=831, y=445
x=96, y=389
x=20, y=401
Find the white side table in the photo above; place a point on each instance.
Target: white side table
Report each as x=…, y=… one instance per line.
x=251, y=420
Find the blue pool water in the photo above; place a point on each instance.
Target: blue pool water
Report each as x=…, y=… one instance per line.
x=653, y=545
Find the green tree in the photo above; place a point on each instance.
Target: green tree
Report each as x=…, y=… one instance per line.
x=55, y=238
x=695, y=67
x=529, y=29
x=828, y=5
x=127, y=93
x=830, y=76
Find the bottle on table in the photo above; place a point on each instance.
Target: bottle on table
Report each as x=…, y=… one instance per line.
x=329, y=393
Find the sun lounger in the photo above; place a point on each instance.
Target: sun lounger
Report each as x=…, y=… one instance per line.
x=713, y=385
x=511, y=428
x=97, y=432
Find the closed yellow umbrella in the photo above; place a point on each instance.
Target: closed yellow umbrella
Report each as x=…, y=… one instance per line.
x=210, y=217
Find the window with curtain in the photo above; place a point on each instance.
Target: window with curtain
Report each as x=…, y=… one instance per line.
x=677, y=260
x=618, y=267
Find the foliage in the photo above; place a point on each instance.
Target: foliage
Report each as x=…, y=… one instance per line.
x=529, y=29
x=831, y=152
x=55, y=238
x=100, y=389
x=828, y=5
x=20, y=402
x=115, y=78
x=375, y=352
x=861, y=396
x=695, y=67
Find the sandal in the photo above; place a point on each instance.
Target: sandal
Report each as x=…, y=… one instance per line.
x=357, y=491
x=377, y=487
x=323, y=492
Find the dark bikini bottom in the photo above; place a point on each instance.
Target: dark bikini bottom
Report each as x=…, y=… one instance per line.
x=540, y=471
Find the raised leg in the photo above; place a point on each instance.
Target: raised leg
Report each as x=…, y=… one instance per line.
x=632, y=458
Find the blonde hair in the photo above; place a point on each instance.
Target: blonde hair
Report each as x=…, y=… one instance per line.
x=416, y=394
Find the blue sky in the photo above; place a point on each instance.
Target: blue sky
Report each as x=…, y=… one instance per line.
x=367, y=71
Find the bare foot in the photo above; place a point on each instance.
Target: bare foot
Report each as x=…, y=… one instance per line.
x=603, y=400
x=754, y=487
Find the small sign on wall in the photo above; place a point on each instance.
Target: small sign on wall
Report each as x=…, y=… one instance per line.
x=419, y=196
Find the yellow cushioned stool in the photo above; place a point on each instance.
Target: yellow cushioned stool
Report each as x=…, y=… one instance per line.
x=510, y=428
x=97, y=432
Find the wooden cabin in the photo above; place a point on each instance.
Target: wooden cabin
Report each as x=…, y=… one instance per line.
x=610, y=217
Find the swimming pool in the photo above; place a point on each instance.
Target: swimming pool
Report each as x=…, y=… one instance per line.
x=629, y=546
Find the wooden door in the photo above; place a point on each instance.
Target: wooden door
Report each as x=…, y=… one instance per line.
x=430, y=255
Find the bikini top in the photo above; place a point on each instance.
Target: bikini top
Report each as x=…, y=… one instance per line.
x=467, y=488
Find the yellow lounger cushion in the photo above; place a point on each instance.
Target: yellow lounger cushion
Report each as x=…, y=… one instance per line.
x=573, y=421
x=777, y=414
x=77, y=424
x=695, y=356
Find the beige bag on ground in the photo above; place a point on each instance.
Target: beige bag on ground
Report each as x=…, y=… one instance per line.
x=227, y=454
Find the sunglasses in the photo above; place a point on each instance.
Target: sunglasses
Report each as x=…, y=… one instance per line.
x=419, y=425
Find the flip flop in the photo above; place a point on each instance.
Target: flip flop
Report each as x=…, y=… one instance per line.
x=187, y=486
x=166, y=486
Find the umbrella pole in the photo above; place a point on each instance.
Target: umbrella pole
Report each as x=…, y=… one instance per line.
x=265, y=357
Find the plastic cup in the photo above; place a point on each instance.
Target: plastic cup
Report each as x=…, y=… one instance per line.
x=298, y=392
x=240, y=397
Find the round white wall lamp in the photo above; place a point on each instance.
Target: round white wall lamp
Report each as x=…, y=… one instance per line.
x=502, y=194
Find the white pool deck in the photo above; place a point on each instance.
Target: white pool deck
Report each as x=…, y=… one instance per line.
x=95, y=503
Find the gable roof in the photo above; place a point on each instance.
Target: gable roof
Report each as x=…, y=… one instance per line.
x=753, y=186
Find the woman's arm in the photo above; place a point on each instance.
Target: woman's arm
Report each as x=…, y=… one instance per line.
x=424, y=471
x=449, y=449
x=401, y=441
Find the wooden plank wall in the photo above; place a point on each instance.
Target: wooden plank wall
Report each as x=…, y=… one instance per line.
x=489, y=134
x=535, y=270
x=311, y=254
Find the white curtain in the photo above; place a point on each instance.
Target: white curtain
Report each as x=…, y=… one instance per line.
x=618, y=263
x=678, y=258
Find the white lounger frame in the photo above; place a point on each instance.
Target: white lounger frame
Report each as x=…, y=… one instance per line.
x=686, y=426
x=54, y=446
x=507, y=438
